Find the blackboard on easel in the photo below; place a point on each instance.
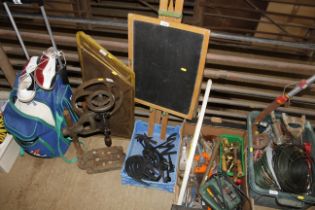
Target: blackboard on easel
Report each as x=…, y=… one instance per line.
x=168, y=60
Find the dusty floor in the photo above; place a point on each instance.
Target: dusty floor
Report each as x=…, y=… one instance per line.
x=52, y=184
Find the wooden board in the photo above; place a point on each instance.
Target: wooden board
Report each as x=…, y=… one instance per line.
x=168, y=60
x=97, y=62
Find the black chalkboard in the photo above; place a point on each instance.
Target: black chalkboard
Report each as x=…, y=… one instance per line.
x=166, y=62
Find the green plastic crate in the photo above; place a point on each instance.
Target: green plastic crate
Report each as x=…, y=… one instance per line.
x=234, y=139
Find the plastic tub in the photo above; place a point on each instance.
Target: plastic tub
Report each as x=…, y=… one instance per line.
x=274, y=198
x=234, y=139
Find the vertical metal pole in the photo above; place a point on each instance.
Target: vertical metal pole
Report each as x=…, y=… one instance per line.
x=194, y=143
x=16, y=30
x=42, y=9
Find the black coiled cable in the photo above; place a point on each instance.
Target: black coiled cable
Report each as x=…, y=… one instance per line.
x=293, y=168
x=139, y=169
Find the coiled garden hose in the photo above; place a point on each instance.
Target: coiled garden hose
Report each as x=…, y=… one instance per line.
x=293, y=168
x=263, y=175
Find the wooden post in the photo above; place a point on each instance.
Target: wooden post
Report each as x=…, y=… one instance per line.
x=164, y=125
x=157, y=117
x=6, y=67
x=152, y=117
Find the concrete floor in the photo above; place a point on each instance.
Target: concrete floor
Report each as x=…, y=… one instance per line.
x=52, y=184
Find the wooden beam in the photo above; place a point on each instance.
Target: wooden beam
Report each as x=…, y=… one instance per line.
x=6, y=67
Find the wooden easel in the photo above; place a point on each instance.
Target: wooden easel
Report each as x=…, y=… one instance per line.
x=168, y=11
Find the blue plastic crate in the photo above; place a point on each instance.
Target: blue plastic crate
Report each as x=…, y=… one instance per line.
x=135, y=148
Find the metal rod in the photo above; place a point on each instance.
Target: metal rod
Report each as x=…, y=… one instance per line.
x=214, y=5
x=213, y=56
x=17, y=32
x=257, y=21
x=297, y=45
x=108, y=22
x=122, y=24
x=284, y=98
x=297, y=3
x=255, y=32
x=153, y=8
x=301, y=87
x=42, y=9
x=264, y=64
x=256, y=93
x=254, y=105
x=250, y=78
x=266, y=16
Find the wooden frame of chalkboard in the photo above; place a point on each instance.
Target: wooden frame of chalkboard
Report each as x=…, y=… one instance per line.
x=170, y=83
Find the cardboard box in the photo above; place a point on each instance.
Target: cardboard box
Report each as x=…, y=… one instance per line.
x=188, y=129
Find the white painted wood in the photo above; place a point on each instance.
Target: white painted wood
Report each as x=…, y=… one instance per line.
x=194, y=143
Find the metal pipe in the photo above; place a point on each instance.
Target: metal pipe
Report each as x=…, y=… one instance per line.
x=301, y=86
x=17, y=32
x=282, y=99
x=151, y=7
x=296, y=45
x=266, y=16
x=244, y=9
x=122, y=24
x=108, y=22
x=245, y=19
x=42, y=9
x=260, y=63
x=295, y=3
x=256, y=93
x=248, y=78
x=213, y=56
x=254, y=31
x=254, y=105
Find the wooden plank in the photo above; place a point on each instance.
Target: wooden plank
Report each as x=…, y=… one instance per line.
x=164, y=125
x=152, y=117
x=6, y=66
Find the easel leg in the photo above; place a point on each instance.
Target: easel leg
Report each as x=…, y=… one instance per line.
x=151, y=121
x=164, y=125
